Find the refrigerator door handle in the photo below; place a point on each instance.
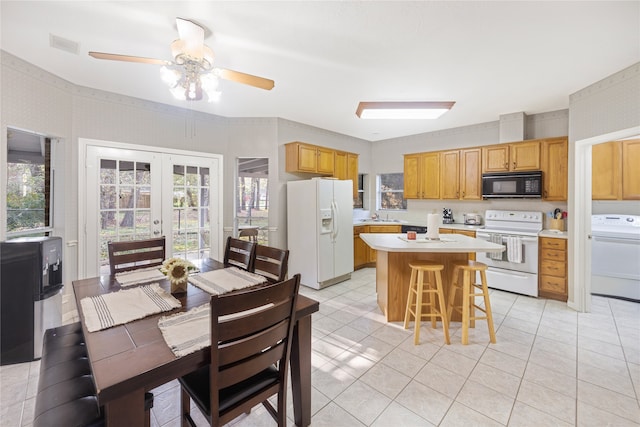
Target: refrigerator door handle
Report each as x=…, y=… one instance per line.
x=336, y=224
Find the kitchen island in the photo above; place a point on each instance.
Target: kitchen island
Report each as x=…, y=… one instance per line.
x=395, y=252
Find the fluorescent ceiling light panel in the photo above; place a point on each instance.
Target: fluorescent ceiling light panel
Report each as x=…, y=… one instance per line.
x=403, y=110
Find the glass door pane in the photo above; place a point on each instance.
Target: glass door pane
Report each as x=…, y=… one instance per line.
x=191, y=208
x=125, y=204
x=252, y=197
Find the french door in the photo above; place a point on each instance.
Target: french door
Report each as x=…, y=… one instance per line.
x=136, y=194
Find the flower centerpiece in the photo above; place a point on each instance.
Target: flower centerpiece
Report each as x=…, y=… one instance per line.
x=177, y=271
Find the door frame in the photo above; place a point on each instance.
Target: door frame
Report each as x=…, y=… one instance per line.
x=579, y=230
x=83, y=143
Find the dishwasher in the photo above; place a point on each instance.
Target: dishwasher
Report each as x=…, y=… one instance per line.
x=615, y=256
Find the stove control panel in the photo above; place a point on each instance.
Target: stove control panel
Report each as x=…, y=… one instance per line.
x=514, y=216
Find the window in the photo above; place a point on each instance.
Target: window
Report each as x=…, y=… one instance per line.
x=29, y=184
x=391, y=191
x=358, y=201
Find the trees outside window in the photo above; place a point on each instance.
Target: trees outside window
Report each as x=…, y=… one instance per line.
x=391, y=191
x=29, y=186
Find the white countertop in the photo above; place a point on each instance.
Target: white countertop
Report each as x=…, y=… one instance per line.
x=390, y=242
x=554, y=233
x=379, y=222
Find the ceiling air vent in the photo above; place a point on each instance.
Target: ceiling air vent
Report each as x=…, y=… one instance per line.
x=58, y=42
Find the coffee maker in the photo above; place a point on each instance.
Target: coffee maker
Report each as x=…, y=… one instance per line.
x=447, y=216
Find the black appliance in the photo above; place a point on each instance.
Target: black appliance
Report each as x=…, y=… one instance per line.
x=447, y=216
x=515, y=185
x=417, y=228
x=30, y=295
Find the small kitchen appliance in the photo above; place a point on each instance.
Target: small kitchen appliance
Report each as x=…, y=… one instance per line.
x=472, y=219
x=447, y=216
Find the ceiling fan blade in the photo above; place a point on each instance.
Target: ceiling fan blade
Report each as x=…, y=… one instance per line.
x=127, y=58
x=247, y=79
x=192, y=37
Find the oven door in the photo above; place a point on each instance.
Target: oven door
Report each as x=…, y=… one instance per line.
x=526, y=261
x=520, y=277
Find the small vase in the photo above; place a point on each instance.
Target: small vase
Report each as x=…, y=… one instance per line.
x=179, y=286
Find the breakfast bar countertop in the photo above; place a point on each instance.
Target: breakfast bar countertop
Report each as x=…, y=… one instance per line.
x=449, y=243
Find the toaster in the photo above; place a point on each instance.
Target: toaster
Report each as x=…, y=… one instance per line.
x=472, y=219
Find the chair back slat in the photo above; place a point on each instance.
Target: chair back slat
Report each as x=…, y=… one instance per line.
x=272, y=263
x=235, y=373
x=249, y=299
x=240, y=253
x=239, y=327
x=245, y=348
x=132, y=255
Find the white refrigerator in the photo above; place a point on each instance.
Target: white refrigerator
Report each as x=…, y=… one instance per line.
x=320, y=230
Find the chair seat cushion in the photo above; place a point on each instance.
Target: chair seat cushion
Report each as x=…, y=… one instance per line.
x=197, y=385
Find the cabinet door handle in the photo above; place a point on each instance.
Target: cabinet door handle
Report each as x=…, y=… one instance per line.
x=514, y=165
x=506, y=165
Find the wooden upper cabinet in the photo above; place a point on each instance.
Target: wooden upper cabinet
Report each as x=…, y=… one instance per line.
x=555, y=163
x=524, y=156
x=450, y=174
x=471, y=174
x=303, y=157
x=495, y=158
x=422, y=176
x=518, y=156
x=326, y=160
x=412, y=176
x=341, y=167
x=430, y=184
x=606, y=165
x=631, y=169
x=352, y=171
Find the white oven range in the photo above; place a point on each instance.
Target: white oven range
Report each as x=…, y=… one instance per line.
x=516, y=269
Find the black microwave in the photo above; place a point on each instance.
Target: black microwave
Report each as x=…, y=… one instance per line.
x=514, y=185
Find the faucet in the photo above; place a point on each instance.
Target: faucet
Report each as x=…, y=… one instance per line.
x=375, y=216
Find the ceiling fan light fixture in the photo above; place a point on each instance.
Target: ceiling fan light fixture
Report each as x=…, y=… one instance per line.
x=169, y=76
x=403, y=110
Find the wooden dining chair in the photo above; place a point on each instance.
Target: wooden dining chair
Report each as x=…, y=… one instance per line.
x=131, y=255
x=240, y=253
x=250, y=233
x=272, y=263
x=253, y=331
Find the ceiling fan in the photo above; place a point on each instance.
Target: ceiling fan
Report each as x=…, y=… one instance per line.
x=191, y=72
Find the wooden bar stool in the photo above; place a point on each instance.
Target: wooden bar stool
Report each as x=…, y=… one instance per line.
x=468, y=288
x=435, y=306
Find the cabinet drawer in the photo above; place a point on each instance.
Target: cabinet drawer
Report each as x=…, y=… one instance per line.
x=553, y=254
x=384, y=229
x=553, y=268
x=359, y=229
x=547, y=243
x=553, y=284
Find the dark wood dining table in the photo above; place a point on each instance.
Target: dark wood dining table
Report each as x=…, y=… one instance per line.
x=131, y=359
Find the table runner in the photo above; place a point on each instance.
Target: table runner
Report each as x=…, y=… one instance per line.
x=104, y=311
x=226, y=280
x=142, y=275
x=187, y=332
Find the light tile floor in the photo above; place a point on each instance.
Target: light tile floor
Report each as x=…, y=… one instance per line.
x=550, y=366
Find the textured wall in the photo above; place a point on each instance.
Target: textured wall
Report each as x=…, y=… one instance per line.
x=606, y=106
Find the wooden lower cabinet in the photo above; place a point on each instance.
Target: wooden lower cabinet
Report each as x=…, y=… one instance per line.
x=363, y=255
x=552, y=276
x=360, y=255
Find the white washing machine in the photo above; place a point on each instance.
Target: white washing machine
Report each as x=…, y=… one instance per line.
x=615, y=256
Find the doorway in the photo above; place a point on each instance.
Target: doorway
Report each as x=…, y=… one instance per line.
x=133, y=193
x=251, y=213
x=580, y=229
